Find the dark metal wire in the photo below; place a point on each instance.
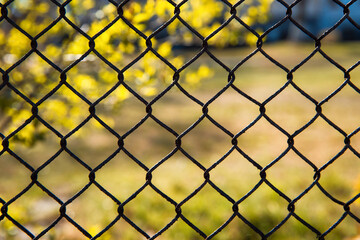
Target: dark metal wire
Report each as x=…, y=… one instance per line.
x=233, y=137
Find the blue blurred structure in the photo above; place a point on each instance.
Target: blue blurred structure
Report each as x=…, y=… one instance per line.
x=316, y=16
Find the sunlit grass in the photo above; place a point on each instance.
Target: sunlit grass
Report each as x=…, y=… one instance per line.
x=178, y=176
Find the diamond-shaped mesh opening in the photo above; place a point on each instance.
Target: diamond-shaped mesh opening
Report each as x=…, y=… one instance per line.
x=93, y=144
x=295, y=228
x=149, y=211
x=176, y=110
x=232, y=34
x=63, y=230
x=237, y=229
x=320, y=83
x=64, y=176
x=291, y=165
x=290, y=110
x=199, y=20
x=341, y=186
x=122, y=176
x=36, y=83
x=343, y=110
x=281, y=32
x=201, y=81
x=233, y=110
x=35, y=210
x=263, y=142
x=235, y=175
x=200, y=210
x=338, y=52
x=92, y=78
x=21, y=14
x=64, y=110
x=256, y=14
x=120, y=44
x=26, y=144
x=306, y=10
x=93, y=210
x=149, y=16
x=128, y=110
x=149, y=76
x=62, y=44
x=296, y=33
x=290, y=56
x=324, y=144
x=270, y=215
x=184, y=177
x=150, y=142
x=259, y=84
x=207, y=137
x=232, y=56
x=91, y=16
x=14, y=176
x=123, y=230
x=180, y=230
x=182, y=36
x=324, y=212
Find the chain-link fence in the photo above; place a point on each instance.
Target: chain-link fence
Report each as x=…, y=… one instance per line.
x=13, y=221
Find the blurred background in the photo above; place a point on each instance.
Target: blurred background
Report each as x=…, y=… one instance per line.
x=122, y=76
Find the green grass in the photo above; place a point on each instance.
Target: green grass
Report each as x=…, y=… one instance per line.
x=178, y=176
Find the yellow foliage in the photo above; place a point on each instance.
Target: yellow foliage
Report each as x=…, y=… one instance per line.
x=2, y=37
x=194, y=78
x=88, y=4
x=164, y=49
x=191, y=78
x=55, y=108
x=251, y=39
x=109, y=11
x=163, y=9
x=51, y=51
x=122, y=93
x=177, y=61
x=96, y=26
x=42, y=8
x=149, y=91
x=59, y=28
x=204, y=71
x=17, y=43
x=95, y=229
x=126, y=48
x=252, y=11
x=201, y=13
x=141, y=17
x=17, y=76
x=85, y=84
x=107, y=76
x=18, y=118
x=26, y=134
x=78, y=46
x=119, y=44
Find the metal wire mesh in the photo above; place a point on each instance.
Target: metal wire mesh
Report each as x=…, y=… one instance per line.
x=179, y=136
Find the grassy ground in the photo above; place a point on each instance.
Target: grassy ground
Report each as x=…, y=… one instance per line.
x=178, y=176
